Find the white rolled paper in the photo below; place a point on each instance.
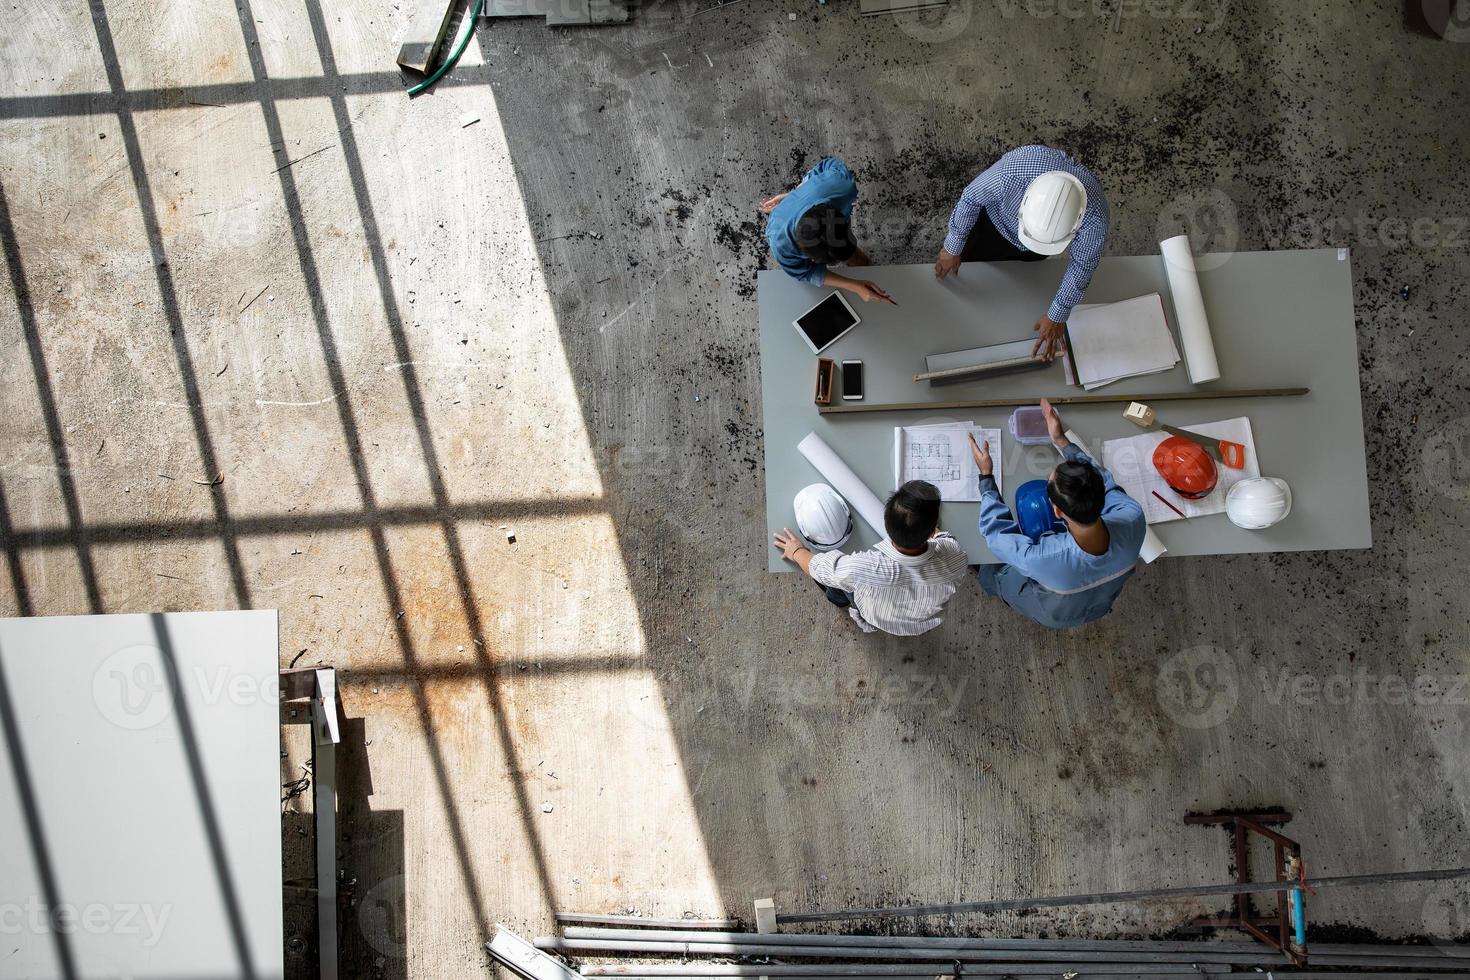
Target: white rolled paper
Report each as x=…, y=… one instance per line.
x=1152, y=546
x=843, y=480
x=1189, y=307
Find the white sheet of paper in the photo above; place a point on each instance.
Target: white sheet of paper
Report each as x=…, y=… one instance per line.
x=1121, y=340
x=1131, y=463
x=940, y=454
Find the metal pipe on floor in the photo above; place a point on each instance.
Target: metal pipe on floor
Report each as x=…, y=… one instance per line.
x=1405, y=962
x=932, y=974
x=928, y=975
x=1195, y=961
x=937, y=942
x=1059, y=970
x=639, y=922
x=1455, y=952
x=1107, y=898
x=1396, y=950
x=1295, y=974
x=693, y=949
x=682, y=943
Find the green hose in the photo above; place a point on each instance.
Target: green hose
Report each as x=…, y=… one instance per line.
x=464, y=42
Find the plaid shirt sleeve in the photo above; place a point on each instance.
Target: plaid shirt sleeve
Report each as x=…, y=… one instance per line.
x=983, y=191
x=1086, y=253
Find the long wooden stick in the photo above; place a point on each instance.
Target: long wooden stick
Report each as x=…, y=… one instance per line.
x=1166, y=396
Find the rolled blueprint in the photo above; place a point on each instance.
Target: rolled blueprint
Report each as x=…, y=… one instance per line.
x=843, y=480
x=1189, y=307
x=1152, y=546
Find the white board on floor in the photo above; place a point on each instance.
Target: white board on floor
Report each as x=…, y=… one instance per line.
x=140, y=829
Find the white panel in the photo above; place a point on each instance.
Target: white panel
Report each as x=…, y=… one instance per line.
x=157, y=792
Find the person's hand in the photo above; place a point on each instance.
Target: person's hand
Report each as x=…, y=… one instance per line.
x=768, y=204
x=981, y=453
x=946, y=265
x=870, y=291
x=1049, y=336
x=789, y=543
x=1054, y=426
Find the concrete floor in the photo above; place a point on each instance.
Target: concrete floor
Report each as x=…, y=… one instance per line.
x=421, y=331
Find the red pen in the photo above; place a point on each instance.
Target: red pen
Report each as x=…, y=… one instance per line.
x=1169, y=505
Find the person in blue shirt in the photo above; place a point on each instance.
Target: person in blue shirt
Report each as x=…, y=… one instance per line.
x=810, y=229
x=1064, y=578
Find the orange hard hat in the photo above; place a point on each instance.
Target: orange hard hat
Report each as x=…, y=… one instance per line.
x=1186, y=467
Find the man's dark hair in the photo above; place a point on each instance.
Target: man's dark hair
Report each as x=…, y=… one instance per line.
x=912, y=514
x=824, y=235
x=1077, y=490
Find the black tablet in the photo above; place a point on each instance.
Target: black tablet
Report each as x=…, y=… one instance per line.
x=823, y=324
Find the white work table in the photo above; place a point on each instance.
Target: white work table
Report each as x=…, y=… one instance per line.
x=1279, y=319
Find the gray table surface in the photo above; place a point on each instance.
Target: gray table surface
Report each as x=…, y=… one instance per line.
x=1279, y=319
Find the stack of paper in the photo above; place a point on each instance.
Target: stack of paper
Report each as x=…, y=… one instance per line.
x=1119, y=340
x=941, y=455
x=1130, y=461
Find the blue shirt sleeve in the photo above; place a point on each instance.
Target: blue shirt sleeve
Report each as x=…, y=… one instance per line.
x=801, y=269
x=1003, y=536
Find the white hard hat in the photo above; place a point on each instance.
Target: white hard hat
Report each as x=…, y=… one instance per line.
x=1051, y=212
x=822, y=517
x=1258, y=503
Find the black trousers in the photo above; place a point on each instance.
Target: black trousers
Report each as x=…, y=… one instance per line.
x=838, y=597
x=986, y=244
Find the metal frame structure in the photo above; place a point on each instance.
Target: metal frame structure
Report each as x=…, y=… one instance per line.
x=319, y=686
x=1289, y=922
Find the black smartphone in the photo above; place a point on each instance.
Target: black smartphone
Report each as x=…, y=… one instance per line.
x=852, y=380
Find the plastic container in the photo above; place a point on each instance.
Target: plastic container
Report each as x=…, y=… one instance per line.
x=1028, y=426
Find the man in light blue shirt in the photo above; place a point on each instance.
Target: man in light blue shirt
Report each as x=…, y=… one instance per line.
x=810, y=229
x=1007, y=213
x=1064, y=578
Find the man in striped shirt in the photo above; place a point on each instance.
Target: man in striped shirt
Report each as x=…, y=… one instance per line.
x=1033, y=202
x=901, y=586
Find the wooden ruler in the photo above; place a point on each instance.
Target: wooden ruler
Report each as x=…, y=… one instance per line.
x=1166, y=396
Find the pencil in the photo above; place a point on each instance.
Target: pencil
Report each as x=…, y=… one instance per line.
x=1168, y=505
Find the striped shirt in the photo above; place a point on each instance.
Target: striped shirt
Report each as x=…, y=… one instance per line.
x=998, y=192
x=893, y=592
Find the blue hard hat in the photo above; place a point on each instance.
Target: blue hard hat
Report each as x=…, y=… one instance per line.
x=1033, y=510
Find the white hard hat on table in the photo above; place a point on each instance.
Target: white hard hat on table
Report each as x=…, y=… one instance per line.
x=1258, y=503
x=1051, y=212
x=822, y=517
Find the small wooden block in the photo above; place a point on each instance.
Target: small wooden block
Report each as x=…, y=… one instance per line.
x=1139, y=414
x=826, y=380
